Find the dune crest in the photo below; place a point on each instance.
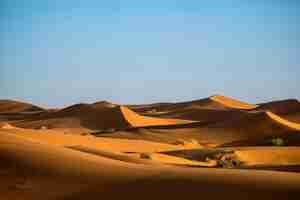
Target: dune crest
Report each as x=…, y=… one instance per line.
x=232, y=103
x=284, y=122
x=12, y=106
x=5, y=125
x=137, y=120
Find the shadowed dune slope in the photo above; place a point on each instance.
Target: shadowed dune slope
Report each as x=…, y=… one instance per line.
x=289, y=109
x=97, y=116
x=209, y=110
x=11, y=106
x=282, y=107
x=90, y=116
x=259, y=121
x=253, y=126
x=283, y=121
x=277, y=158
x=201, y=115
x=216, y=102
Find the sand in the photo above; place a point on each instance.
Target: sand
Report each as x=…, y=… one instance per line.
x=157, y=151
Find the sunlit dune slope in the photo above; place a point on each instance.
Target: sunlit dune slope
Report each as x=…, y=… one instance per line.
x=136, y=120
x=59, y=138
x=33, y=170
x=268, y=156
x=6, y=126
x=283, y=121
x=289, y=109
x=252, y=126
x=11, y=106
x=232, y=103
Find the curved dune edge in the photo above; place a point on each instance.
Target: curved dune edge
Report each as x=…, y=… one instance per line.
x=5, y=125
x=232, y=103
x=153, y=158
x=136, y=120
x=61, y=173
x=276, y=156
x=282, y=121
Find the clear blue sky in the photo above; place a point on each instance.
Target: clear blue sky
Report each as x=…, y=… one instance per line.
x=59, y=52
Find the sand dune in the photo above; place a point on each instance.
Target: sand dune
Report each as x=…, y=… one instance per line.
x=284, y=158
x=232, y=103
x=58, y=137
x=284, y=122
x=11, y=106
x=58, y=173
x=4, y=125
x=97, y=116
x=282, y=107
x=253, y=126
x=136, y=120
x=248, y=127
x=155, y=151
x=209, y=110
x=216, y=102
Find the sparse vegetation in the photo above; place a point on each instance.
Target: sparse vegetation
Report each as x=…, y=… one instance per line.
x=109, y=130
x=278, y=142
x=145, y=155
x=188, y=142
x=103, y=131
x=43, y=128
x=152, y=111
x=229, y=161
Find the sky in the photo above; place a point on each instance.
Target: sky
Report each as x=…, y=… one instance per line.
x=55, y=53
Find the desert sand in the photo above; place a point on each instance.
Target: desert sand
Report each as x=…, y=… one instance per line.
x=213, y=148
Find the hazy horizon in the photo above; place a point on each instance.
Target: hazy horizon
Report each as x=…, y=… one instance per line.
x=57, y=53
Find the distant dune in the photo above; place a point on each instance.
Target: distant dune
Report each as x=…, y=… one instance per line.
x=154, y=151
x=97, y=116
x=216, y=102
x=232, y=103
x=136, y=120
x=282, y=107
x=11, y=106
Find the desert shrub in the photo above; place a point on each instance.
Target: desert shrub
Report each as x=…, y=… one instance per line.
x=228, y=161
x=152, y=111
x=194, y=141
x=145, y=155
x=43, y=128
x=110, y=130
x=277, y=142
x=187, y=142
x=179, y=142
